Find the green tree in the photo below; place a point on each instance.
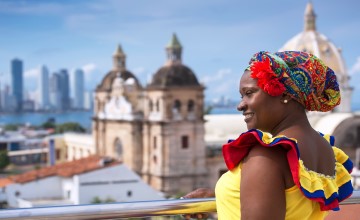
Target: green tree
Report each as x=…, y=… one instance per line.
x=96, y=200
x=69, y=126
x=11, y=127
x=4, y=159
x=48, y=124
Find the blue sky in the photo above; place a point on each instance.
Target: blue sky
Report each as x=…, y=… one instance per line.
x=218, y=36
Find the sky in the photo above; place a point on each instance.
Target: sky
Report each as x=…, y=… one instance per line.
x=218, y=36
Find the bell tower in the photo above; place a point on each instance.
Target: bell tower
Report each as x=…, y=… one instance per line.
x=117, y=119
x=174, y=146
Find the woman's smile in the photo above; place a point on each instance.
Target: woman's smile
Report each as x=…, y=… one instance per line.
x=248, y=117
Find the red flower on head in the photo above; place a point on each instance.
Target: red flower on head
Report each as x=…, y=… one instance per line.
x=267, y=79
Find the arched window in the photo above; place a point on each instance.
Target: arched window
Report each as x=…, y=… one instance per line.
x=118, y=148
x=191, y=105
x=177, y=106
x=151, y=105
x=157, y=105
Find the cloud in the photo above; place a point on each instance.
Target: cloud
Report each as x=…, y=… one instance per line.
x=89, y=68
x=356, y=67
x=31, y=7
x=139, y=70
x=32, y=73
x=221, y=74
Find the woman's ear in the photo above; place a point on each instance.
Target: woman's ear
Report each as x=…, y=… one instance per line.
x=285, y=98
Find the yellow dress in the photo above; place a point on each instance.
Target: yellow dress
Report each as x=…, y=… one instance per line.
x=313, y=194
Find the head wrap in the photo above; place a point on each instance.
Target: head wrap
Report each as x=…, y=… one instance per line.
x=301, y=75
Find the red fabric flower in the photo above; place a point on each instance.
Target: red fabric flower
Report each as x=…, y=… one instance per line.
x=267, y=80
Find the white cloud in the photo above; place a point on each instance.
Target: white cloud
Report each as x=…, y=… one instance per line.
x=31, y=7
x=221, y=74
x=32, y=73
x=88, y=68
x=356, y=67
x=139, y=71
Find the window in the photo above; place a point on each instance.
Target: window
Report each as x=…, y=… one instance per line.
x=68, y=194
x=57, y=152
x=155, y=159
x=177, y=106
x=118, y=148
x=157, y=105
x=151, y=105
x=129, y=193
x=154, y=144
x=191, y=105
x=185, y=142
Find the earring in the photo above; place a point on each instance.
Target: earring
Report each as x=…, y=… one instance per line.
x=285, y=101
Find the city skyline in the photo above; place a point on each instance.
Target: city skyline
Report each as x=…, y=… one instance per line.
x=218, y=38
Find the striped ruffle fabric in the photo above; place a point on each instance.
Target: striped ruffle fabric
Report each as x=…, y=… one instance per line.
x=328, y=191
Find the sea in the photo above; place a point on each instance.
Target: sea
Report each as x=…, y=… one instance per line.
x=81, y=117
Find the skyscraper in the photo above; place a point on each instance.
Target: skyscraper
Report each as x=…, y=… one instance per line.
x=55, y=93
x=44, y=88
x=78, y=89
x=64, y=89
x=17, y=82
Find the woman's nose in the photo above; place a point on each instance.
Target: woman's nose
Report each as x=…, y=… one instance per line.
x=241, y=106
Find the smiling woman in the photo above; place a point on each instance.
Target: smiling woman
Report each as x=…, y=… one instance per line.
x=281, y=168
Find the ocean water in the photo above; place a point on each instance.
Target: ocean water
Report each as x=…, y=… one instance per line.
x=81, y=117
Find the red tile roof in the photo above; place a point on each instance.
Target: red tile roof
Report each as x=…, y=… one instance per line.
x=66, y=169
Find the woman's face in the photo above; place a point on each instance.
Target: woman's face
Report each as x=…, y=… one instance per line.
x=261, y=110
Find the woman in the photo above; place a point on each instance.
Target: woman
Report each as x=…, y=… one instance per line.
x=282, y=168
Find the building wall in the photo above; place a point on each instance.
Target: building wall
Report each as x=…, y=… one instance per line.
x=118, y=183
x=44, y=188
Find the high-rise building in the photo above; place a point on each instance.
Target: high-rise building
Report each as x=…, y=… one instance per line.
x=64, y=89
x=55, y=92
x=88, y=100
x=78, y=89
x=44, y=88
x=17, y=82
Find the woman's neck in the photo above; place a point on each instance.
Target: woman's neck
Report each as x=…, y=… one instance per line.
x=291, y=123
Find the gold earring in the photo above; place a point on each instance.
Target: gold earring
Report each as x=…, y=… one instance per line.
x=285, y=101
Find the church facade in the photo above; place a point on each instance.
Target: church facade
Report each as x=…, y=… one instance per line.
x=156, y=130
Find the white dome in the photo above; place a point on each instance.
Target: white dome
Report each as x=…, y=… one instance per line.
x=315, y=43
x=318, y=44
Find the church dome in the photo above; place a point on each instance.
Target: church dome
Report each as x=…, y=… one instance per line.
x=174, y=75
x=107, y=82
x=119, y=69
x=311, y=41
x=318, y=44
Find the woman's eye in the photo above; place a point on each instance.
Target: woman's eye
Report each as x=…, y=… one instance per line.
x=248, y=93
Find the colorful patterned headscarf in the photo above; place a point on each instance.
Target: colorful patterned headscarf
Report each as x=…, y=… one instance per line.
x=301, y=75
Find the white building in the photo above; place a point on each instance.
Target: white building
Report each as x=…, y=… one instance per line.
x=78, y=89
x=82, y=181
x=43, y=85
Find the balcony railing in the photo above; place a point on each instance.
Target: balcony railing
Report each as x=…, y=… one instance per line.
x=125, y=210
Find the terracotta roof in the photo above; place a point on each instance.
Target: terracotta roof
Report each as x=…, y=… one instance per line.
x=5, y=182
x=66, y=169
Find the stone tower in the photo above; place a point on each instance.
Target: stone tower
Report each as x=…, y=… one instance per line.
x=117, y=120
x=173, y=132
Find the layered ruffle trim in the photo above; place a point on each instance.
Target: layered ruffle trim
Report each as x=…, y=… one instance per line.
x=328, y=191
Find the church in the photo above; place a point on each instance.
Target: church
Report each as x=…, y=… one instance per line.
x=157, y=130
x=160, y=131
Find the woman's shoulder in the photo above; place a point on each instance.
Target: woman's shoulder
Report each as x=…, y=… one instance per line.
x=236, y=150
